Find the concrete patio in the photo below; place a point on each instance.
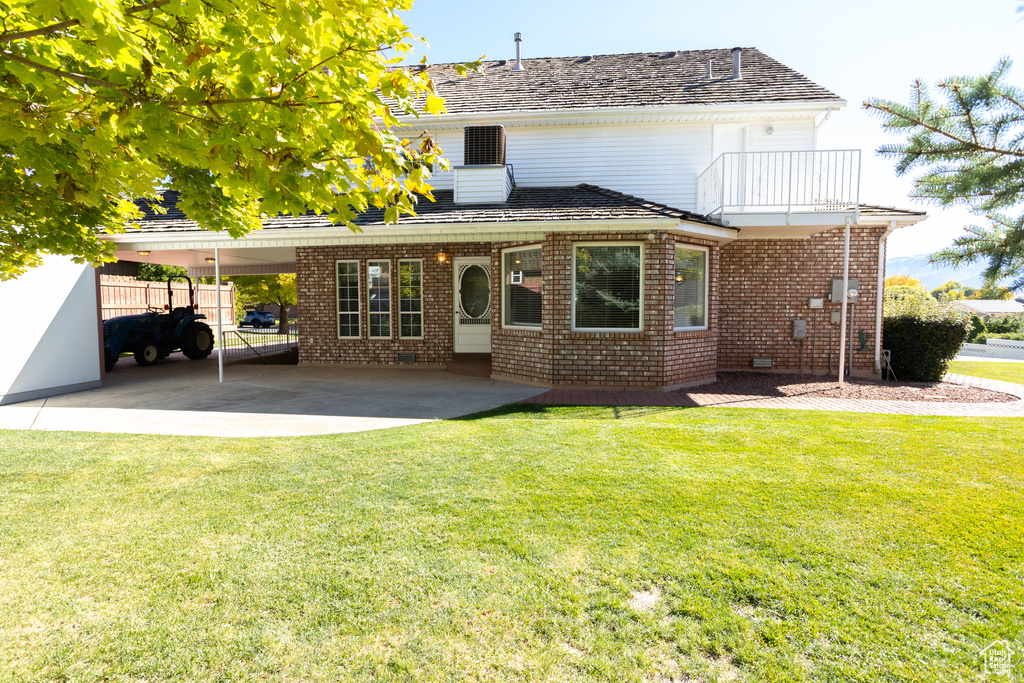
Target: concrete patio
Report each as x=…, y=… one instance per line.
x=182, y=397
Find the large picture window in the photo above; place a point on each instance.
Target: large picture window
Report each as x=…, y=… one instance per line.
x=348, y=298
x=378, y=299
x=607, y=286
x=522, y=288
x=691, y=288
x=410, y=299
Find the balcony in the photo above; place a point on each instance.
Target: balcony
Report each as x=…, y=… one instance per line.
x=807, y=190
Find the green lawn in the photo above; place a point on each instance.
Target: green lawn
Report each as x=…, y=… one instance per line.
x=1007, y=372
x=769, y=545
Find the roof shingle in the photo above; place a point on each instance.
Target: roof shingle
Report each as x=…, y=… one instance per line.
x=525, y=204
x=642, y=79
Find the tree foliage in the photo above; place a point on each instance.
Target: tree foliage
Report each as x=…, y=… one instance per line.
x=249, y=108
x=273, y=289
x=968, y=148
x=952, y=291
x=902, y=281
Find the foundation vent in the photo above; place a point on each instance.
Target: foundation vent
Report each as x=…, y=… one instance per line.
x=407, y=358
x=762, y=362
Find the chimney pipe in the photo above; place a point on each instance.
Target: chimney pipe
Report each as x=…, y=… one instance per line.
x=519, y=54
x=709, y=70
x=736, y=73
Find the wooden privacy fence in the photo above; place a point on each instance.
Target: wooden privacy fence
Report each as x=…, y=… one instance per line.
x=125, y=296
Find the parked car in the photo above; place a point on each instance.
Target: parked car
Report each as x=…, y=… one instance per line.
x=258, y=319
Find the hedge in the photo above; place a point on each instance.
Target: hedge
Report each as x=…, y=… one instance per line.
x=1013, y=336
x=923, y=335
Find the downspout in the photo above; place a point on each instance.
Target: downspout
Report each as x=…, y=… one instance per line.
x=880, y=295
x=816, y=126
x=846, y=297
x=220, y=327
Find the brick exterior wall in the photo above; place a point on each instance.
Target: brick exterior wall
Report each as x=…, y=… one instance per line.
x=756, y=288
x=555, y=355
x=318, y=300
x=656, y=357
x=765, y=284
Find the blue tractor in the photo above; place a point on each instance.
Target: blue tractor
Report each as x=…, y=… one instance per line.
x=154, y=335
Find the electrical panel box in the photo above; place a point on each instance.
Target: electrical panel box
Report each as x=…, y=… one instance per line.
x=837, y=290
x=815, y=303
x=835, y=317
x=799, y=328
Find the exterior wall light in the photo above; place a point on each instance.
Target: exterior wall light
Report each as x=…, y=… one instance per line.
x=442, y=257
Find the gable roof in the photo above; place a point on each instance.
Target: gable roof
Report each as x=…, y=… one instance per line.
x=525, y=204
x=993, y=306
x=641, y=79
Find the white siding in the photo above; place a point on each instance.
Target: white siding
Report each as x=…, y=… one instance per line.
x=481, y=184
x=56, y=347
x=655, y=161
x=785, y=136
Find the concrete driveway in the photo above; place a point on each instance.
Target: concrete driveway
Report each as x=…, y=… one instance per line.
x=178, y=396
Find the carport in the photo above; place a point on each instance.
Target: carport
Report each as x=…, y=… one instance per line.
x=206, y=257
x=177, y=396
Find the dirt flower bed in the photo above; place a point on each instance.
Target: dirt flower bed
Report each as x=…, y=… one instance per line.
x=768, y=385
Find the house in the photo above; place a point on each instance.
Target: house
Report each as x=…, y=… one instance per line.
x=990, y=307
x=633, y=220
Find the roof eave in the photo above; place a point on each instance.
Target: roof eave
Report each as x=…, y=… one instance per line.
x=411, y=233
x=602, y=114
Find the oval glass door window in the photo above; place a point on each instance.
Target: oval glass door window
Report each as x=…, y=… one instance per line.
x=475, y=292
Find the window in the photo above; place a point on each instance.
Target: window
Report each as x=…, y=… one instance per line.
x=348, y=298
x=522, y=289
x=410, y=299
x=691, y=288
x=607, y=287
x=378, y=298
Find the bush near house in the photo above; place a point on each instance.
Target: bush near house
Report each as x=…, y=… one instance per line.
x=1012, y=323
x=1012, y=336
x=923, y=335
x=978, y=330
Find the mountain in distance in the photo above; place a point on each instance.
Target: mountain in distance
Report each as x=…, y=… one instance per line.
x=933, y=275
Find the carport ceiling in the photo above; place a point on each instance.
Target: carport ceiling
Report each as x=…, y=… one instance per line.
x=233, y=261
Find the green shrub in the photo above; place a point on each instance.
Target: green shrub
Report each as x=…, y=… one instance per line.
x=977, y=330
x=1013, y=336
x=908, y=293
x=1012, y=323
x=923, y=335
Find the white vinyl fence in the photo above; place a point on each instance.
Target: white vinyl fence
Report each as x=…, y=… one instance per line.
x=995, y=348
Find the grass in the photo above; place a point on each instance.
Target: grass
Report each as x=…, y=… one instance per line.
x=518, y=546
x=1006, y=372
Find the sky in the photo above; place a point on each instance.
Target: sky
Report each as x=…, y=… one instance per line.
x=870, y=48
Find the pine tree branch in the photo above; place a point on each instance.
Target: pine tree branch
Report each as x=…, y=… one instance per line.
x=55, y=28
x=939, y=131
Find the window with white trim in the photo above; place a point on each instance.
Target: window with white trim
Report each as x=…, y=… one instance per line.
x=378, y=298
x=691, y=288
x=410, y=299
x=522, y=287
x=348, y=298
x=607, y=286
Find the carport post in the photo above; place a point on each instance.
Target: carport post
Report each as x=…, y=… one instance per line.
x=220, y=327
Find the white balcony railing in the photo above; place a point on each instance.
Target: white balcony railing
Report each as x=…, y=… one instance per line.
x=826, y=180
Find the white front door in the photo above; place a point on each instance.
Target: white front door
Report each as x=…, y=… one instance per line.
x=472, y=288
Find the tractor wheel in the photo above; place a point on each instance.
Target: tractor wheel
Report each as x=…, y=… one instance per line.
x=147, y=352
x=197, y=340
x=109, y=360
